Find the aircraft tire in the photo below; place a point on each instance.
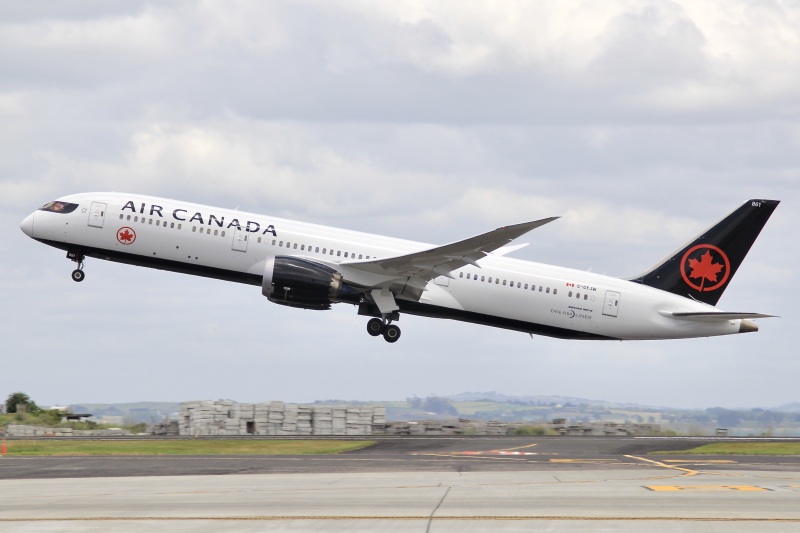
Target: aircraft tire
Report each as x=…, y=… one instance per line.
x=375, y=327
x=78, y=275
x=391, y=333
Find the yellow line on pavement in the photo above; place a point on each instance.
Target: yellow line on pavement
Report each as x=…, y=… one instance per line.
x=687, y=471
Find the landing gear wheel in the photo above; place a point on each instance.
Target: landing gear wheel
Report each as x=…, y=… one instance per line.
x=78, y=275
x=375, y=327
x=391, y=333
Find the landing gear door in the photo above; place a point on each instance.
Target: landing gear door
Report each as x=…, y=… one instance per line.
x=239, y=240
x=97, y=214
x=611, y=305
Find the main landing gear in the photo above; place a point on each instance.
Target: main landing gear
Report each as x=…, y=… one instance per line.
x=77, y=274
x=382, y=326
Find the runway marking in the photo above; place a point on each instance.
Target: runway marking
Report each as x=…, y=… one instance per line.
x=403, y=518
x=687, y=471
x=482, y=453
x=585, y=461
x=701, y=461
x=705, y=488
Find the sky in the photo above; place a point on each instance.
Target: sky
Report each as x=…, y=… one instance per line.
x=638, y=122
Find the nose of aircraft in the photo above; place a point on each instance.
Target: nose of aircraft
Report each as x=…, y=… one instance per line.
x=27, y=225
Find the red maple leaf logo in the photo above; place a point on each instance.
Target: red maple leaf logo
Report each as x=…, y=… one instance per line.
x=706, y=268
x=126, y=236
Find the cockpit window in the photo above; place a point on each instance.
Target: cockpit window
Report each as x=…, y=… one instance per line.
x=59, y=207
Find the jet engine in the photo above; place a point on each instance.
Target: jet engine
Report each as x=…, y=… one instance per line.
x=303, y=283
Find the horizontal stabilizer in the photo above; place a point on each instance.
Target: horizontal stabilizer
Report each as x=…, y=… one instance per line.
x=713, y=316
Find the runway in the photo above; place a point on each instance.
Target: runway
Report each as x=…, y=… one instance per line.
x=437, y=484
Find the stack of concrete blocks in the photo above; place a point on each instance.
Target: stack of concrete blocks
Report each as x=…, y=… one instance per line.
x=277, y=418
x=210, y=418
x=166, y=428
x=20, y=430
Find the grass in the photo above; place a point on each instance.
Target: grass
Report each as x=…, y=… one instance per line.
x=743, y=448
x=183, y=447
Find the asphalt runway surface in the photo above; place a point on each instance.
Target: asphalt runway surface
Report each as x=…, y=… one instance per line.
x=412, y=484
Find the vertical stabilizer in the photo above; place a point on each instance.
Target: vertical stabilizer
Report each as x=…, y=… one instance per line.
x=703, y=268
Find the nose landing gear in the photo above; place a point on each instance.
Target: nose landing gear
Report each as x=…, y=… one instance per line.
x=382, y=326
x=77, y=274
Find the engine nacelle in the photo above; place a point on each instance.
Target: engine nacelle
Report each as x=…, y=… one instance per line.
x=299, y=282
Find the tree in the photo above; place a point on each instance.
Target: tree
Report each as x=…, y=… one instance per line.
x=16, y=399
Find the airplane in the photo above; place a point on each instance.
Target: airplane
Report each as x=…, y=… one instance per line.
x=310, y=266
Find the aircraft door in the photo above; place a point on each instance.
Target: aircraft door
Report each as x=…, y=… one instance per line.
x=611, y=305
x=239, y=240
x=97, y=214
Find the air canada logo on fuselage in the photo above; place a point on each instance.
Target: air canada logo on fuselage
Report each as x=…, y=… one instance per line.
x=705, y=267
x=126, y=235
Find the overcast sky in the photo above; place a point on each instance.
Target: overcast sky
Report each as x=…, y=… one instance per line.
x=639, y=122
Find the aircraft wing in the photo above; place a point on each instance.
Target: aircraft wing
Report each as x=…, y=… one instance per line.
x=418, y=268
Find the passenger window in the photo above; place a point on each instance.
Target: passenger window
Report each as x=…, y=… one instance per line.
x=483, y=278
x=585, y=296
x=259, y=239
x=338, y=253
x=578, y=295
x=129, y=217
x=158, y=222
x=533, y=287
x=540, y=288
x=490, y=279
x=316, y=250
x=217, y=232
x=223, y=233
x=150, y=221
x=504, y=282
x=295, y=246
x=555, y=291
x=519, y=285
x=345, y=254
x=497, y=281
x=302, y=247
x=180, y=226
x=194, y=229
x=548, y=290
x=120, y=216
x=570, y=294
x=281, y=244
x=468, y=276
x=324, y=250
x=171, y=224
x=136, y=219
x=526, y=286
x=359, y=256
x=273, y=242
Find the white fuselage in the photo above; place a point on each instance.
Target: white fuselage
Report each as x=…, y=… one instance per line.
x=235, y=246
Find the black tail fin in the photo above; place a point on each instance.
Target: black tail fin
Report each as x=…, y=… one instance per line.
x=705, y=266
